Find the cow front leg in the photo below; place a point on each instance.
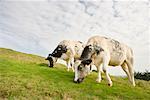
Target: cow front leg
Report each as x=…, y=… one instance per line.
x=99, y=77
x=72, y=63
x=68, y=65
x=105, y=64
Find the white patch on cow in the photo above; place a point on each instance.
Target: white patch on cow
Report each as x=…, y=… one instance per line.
x=114, y=53
x=94, y=68
x=49, y=64
x=59, y=48
x=64, y=56
x=74, y=51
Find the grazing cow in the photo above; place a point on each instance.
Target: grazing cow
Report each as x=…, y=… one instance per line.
x=105, y=51
x=67, y=50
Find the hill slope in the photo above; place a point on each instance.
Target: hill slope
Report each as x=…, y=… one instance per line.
x=26, y=76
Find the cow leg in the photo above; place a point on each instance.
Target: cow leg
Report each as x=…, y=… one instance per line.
x=131, y=71
x=71, y=58
x=105, y=64
x=90, y=69
x=126, y=70
x=72, y=63
x=99, y=77
x=68, y=65
x=55, y=60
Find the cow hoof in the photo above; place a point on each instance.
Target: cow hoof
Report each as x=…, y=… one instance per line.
x=75, y=81
x=110, y=84
x=98, y=80
x=133, y=84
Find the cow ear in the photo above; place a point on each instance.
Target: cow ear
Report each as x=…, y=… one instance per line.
x=46, y=58
x=98, y=49
x=86, y=62
x=64, y=49
x=49, y=55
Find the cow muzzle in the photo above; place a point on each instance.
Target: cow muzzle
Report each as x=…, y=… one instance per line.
x=79, y=80
x=50, y=66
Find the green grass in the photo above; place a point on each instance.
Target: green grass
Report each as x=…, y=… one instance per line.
x=27, y=77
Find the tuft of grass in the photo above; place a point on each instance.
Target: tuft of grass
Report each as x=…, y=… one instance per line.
x=26, y=76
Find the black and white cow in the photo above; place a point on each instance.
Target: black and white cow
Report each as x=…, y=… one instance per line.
x=105, y=51
x=67, y=50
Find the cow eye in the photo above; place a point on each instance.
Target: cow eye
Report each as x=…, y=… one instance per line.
x=80, y=68
x=90, y=49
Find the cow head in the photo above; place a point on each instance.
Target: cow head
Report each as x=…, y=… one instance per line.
x=52, y=60
x=82, y=70
x=57, y=53
x=88, y=53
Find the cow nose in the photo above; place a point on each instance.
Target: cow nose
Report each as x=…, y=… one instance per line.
x=50, y=66
x=80, y=80
x=75, y=81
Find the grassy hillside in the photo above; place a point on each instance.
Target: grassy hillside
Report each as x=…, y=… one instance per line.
x=26, y=76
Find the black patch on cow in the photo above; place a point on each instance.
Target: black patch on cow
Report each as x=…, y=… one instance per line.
x=85, y=53
x=98, y=49
x=80, y=42
x=90, y=67
x=116, y=45
x=105, y=37
x=80, y=68
x=60, y=49
x=49, y=55
x=50, y=59
x=51, y=62
x=97, y=52
x=86, y=62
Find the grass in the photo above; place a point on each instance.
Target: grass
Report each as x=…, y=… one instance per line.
x=26, y=76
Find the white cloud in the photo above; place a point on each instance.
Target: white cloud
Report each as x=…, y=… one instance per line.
x=37, y=27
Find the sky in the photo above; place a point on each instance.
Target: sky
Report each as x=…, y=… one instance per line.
x=37, y=26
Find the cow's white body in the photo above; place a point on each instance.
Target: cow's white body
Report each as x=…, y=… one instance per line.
x=113, y=53
x=74, y=51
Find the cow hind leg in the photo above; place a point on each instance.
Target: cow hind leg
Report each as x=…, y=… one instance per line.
x=131, y=70
x=126, y=70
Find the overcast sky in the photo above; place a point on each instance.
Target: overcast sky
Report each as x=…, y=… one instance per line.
x=38, y=26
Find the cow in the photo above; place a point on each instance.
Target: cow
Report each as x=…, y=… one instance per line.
x=105, y=51
x=68, y=50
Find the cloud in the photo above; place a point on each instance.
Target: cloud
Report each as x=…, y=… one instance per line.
x=37, y=27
